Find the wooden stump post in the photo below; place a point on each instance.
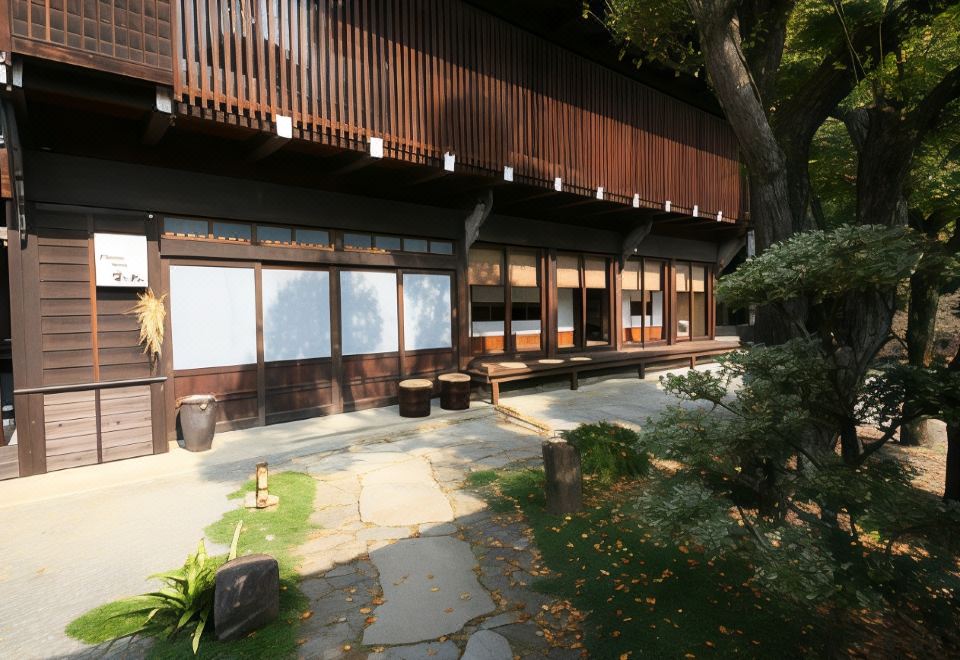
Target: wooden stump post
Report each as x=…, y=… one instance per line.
x=561, y=463
x=261, y=498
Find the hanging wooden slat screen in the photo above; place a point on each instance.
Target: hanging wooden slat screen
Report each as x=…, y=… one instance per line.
x=435, y=76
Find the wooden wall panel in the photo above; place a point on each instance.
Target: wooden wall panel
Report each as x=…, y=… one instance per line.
x=70, y=427
x=126, y=422
x=369, y=381
x=132, y=38
x=429, y=365
x=432, y=76
x=296, y=390
x=234, y=387
x=64, y=293
x=9, y=462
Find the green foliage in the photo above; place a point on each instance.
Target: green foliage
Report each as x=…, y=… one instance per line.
x=817, y=265
x=276, y=531
x=609, y=451
x=640, y=592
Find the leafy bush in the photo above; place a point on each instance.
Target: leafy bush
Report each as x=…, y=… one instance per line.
x=187, y=597
x=609, y=451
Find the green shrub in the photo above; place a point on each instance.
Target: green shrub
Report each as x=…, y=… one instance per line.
x=186, y=599
x=609, y=451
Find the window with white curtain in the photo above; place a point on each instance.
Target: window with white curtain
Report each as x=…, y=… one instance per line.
x=296, y=314
x=368, y=310
x=213, y=315
x=426, y=312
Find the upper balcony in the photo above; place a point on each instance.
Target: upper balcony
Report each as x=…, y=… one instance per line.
x=429, y=77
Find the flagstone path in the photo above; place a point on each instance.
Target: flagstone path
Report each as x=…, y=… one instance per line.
x=408, y=564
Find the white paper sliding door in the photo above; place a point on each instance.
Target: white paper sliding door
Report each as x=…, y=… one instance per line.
x=296, y=314
x=426, y=312
x=368, y=309
x=213, y=316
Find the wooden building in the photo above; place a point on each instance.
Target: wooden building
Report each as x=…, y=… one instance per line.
x=331, y=197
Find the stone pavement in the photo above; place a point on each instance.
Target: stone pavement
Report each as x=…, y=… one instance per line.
x=391, y=505
x=408, y=564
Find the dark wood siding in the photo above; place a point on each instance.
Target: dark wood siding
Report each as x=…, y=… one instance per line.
x=370, y=380
x=298, y=389
x=436, y=76
x=234, y=387
x=66, y=322
x=131, y=38
x=71, y=411
x=9, y=462
x=70, y=428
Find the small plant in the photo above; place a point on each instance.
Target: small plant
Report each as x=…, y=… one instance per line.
x=609, y=451
x=186, y=598
x=151, y=314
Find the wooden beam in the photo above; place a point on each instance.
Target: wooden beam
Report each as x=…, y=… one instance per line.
x=160, y=118
x=727, y=250
x=268, y=143
x=426, y=178
x=353, y=161
x=633, y=238
x=479, y=215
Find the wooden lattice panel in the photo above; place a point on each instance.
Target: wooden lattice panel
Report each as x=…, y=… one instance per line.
x=122, y=36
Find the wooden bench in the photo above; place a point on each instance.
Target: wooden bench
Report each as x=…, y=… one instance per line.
x=493, y=373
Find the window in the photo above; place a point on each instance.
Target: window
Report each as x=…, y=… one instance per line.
x=415, y=245
x=569, y=301
x=357, y=241
x=296, y=314
x=632, y=295
x=387, y=242
x=368, y=310
x=524, y=272
x=186, y=227
x=699, y=312
x=653, y=300
x=487, y=301
x=583, y=301
x=636, y=308
x=273, y=235
x=441, y=247
x=426, y=312
x=230, y=231
x=683, y=300
x=313, y=237
x=213, y=316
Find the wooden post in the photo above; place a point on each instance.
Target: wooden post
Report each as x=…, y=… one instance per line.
x=561, y=463
x=261, y=497
x=262, y=493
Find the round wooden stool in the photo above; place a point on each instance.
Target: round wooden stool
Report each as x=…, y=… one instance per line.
x=454, y=391
x=415, y=397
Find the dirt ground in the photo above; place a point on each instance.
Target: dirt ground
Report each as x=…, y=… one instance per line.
x=929, y=459
x=947, y=331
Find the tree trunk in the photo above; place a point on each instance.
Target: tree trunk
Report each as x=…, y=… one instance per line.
x=921, y=323
x=951, y=489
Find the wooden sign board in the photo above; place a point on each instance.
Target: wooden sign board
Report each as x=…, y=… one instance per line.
x=121, y=260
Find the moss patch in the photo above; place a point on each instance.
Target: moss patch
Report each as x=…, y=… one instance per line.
x=277, y=532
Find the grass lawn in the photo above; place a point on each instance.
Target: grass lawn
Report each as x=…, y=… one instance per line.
x=276, y=532
x=645, y=599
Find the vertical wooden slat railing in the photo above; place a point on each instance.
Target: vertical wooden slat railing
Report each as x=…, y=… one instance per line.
x=430, y=77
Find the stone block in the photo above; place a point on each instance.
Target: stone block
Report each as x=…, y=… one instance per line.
x=246, y=596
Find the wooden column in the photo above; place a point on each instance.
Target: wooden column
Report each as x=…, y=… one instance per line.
x=616, y=304
x=158, y=412
x=550, y=308
x=336, y=344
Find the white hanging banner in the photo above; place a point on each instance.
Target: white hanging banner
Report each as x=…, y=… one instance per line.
x=121, y=260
